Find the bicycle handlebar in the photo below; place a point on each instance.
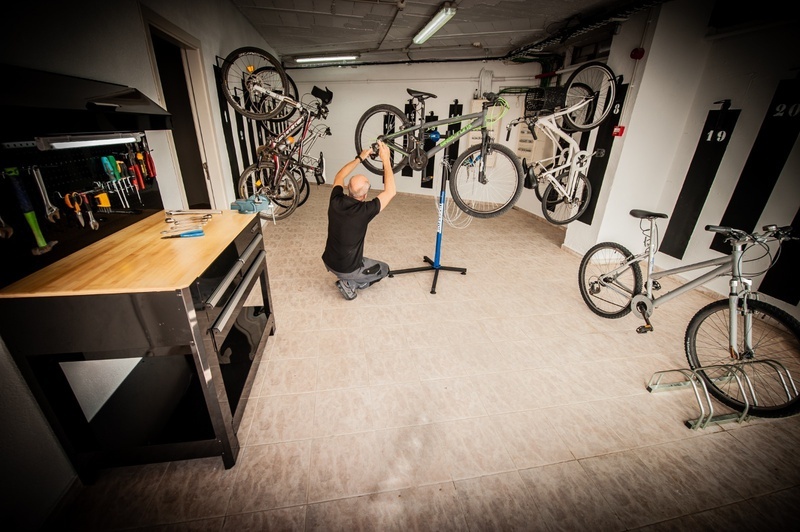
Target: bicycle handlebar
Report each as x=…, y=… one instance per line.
x=770, y=231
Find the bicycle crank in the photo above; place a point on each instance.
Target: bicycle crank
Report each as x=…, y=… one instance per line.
x=643, y=306
x=417, y=159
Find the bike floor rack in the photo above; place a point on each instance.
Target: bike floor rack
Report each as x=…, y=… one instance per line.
x=692, y=378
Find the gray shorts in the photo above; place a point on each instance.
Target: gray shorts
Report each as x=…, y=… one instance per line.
x=371, y=271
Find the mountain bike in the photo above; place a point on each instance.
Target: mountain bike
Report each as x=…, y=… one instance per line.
x=254, y=82
x=582, y=104
x=279, y=172
x=740, y=335
x=486, y=179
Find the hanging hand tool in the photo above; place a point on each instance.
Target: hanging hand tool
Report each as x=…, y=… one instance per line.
x=88, y=200
x=135, y=186
x=110, y=168
x=101, y=198
x=5, y=230
x=51, y=211
x=73, y=201
x=27, y=210
x=148, y=159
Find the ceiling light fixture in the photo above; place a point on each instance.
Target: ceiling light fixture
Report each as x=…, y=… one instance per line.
x=326, y=59
x=85, y=141
x=444, y=14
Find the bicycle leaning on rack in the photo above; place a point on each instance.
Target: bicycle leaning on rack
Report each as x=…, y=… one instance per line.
x=256, y=85
x=739, y=335
x=486, y=179
x=582, y=104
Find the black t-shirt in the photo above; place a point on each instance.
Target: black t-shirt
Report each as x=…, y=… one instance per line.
x=348, y=219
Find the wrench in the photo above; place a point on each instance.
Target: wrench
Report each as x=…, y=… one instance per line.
x=88, y=199
x=51, y=211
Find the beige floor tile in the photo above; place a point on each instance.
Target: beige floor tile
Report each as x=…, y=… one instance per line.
x=530, y=439
x=342, y=372
x=282, y=418
x=473, y=448
x=289, y=519
x=631, y=490
x=271, y=476
x=344, y=466
x=499, y=502
x=342, y=412
x=568, y=499
x=290, y=376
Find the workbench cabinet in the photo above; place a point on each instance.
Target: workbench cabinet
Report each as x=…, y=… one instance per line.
x=146, y=373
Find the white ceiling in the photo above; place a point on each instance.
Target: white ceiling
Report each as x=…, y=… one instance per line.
x=381, y=31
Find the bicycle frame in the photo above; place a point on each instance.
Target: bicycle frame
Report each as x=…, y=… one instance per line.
x=570, y=158
x=478, y=121
x=725, y=266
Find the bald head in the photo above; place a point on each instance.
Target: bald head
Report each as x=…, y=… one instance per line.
x=358, y=187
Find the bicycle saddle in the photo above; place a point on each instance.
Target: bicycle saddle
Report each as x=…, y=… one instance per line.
x=637, y=213
x=419, y=94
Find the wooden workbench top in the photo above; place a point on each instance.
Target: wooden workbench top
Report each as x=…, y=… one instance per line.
x=134, y=259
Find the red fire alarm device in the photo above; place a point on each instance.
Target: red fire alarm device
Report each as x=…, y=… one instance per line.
x=618, y=131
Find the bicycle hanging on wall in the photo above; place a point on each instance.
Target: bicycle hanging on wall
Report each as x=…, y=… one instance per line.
x=257, y=87
x=580, y=105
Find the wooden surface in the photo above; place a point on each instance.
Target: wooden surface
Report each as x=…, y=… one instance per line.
x=135, y=259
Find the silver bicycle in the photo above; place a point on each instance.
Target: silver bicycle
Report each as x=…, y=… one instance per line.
x=740, y=335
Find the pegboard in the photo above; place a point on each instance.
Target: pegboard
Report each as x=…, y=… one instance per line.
x=63, y=172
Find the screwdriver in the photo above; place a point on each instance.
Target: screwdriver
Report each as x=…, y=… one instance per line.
x=186, y=234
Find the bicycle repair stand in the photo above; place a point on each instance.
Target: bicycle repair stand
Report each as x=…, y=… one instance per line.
x=435, y=264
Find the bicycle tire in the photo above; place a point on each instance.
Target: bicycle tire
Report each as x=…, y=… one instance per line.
x=247, y=68
x=606, y=296
x=500, y=191
x=541, y=181
x=557, y=210
x=305, y=189
x=776, y=336
x=287, y=111
x=380, y=120
x=257, y=179
x=602, y=82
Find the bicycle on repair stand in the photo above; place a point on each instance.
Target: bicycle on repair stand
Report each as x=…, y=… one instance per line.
x=486, y=178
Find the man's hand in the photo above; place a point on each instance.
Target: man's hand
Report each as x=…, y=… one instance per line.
x=365, y=153
x=384, y=154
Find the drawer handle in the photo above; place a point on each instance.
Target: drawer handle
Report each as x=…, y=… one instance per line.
x=235, y=269
x=243, y=287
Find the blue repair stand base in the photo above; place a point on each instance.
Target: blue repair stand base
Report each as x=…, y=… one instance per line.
x=435, y=264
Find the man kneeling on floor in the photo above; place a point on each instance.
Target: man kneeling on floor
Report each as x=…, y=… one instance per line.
x=348, y=218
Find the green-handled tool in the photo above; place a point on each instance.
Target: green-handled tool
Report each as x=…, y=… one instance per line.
x=27, y=210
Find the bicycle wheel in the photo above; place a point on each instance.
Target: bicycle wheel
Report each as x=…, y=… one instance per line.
x=607, y=283
x=559, y=209
x=283, y=195
x=288, y=111
x=304, y=187
x=775, y=336
x=594, y=81
x=383, y=120
x=485, y=184
x=245, y=73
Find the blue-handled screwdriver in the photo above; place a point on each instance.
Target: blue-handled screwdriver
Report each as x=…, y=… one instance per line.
x=186, y=234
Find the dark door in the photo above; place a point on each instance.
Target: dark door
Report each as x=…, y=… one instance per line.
x=169, y=59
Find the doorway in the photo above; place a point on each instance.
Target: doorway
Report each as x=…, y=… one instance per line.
x=169, y=57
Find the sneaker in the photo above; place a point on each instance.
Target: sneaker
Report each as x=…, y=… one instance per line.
x=348, y=293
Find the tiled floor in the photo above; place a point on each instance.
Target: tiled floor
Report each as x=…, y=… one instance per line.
x=499, y=403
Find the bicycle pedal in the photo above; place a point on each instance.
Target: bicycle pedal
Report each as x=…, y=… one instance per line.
x=644, y=329
x=656, y=285
x=599, y=153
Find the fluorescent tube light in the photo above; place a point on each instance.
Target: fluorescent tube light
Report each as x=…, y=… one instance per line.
x=440, y=19
x=85, y=141
x=326, y=59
